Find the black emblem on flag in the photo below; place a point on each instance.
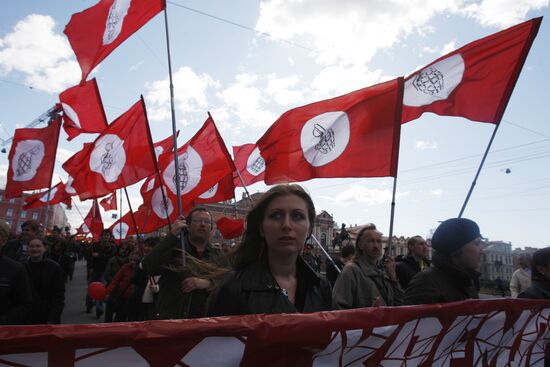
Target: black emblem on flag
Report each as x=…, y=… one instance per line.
x=24, y=161
x=429, y=81
x=182, y=170
x=112, y=20
x=107, y=159
x=326, y=139
x=258, y=165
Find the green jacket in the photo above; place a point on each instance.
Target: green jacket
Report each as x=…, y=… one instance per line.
x=360, y=283
x=165, y=260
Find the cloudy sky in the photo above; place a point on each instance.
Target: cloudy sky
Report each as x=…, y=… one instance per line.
x=249, y=61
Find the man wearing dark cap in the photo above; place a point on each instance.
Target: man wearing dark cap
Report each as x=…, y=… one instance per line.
x=454, y=276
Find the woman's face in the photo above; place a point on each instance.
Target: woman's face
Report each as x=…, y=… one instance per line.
x=285, y=225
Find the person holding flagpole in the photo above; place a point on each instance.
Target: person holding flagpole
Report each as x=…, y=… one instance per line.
x=269, y=276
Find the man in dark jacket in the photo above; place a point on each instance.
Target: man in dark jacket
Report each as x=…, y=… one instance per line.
x=101, y=252
x=182, y=291
x=15, y=290
x=17, y=249
x=415, y=262
x=457, y=245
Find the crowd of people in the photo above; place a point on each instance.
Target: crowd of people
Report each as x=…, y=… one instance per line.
x=272, y=270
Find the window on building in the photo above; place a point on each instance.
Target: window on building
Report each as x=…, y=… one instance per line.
x=23, y=214
x=9, y=212
x=323, y=239
x=35, y=216
x=12, y=201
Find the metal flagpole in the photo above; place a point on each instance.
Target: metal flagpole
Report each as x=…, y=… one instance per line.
x=174, y=133
x=131, y=213
x=478, y=171
x=392, y=215
x=47, y=208
x=120, y=213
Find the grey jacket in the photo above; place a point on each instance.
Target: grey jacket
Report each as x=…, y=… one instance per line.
x=360, y=283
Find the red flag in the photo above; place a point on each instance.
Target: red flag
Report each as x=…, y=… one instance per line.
x=475, y=81
x=123, y=228
x=109, y=202
x=92, y=223
x=165, y=145
x=56, y=194
x=95, y=32
x=249, y=163
x=354, y=135
x=32, y=159
x=222, y=191
x=203, y=161
x=230, y=228
x=82, y=109
x=120, y=156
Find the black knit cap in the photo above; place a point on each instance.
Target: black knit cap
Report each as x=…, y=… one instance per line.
x=454, y=233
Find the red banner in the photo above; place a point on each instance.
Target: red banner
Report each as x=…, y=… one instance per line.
x=502, y=332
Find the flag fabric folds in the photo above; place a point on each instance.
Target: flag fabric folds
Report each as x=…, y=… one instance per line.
x=32, y=159
x=109, y=202
x=82, y=109
x=475, y=81
x=230, y=228
x=95, y=32
x=92, y=223
x=120, y=156
x=249, y=163
x=354, y=135
x=123, y=228
x=55, y=195
x=202, y=162
x=222, y=191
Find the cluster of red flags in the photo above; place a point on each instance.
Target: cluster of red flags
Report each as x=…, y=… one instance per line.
x=354, y=135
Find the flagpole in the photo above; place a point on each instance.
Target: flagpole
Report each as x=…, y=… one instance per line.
x=47, y=207
x=120, y=213
x=478, y=171
x=76, y=207
x=392, y=214
x=131, y=213
x=53, y=115
x=174, y=134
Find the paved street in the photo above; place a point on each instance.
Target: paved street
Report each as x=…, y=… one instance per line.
x=75, y=293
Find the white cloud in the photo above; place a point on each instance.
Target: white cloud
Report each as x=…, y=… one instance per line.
x=136, y=66
x=245, y=100
x=503, y=13
x=437, y=192
x=43, y=56
x=424, y=144
x=358, y=193
x=190, y=94
x=280, y=89
x=337, y=80
x=348, y=32
x=448, y=47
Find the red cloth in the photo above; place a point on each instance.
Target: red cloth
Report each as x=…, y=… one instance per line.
x=222, y=191
x=95, y=32
x=122, y=280
x=475, y=81
x=230, y=228
x=32, y=159
x=123, y=227
x=109, y=202
x=57, y=195
x=203, y=162
x=354, y=135
x=120, y=156
x=82, y=109
x=92, y=223
x=249, y=163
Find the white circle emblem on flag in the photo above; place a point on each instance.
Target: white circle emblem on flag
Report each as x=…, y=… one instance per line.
x=190, y=170
x=158, y=151
x=157, y=203
x=209, y=193
x=69, y=186
x=71, y=114
x=324, y=137
x=120, y=231
x=27, y=158
x=115, y=19
x=256, y=163
x=85, y=228
x=108, y=157
x=44, y=198
x=434, y=83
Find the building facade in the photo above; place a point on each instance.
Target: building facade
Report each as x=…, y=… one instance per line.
x=496, y=261
x=11, y=211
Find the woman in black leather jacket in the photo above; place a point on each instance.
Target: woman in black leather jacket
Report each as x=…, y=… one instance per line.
x=270, y=276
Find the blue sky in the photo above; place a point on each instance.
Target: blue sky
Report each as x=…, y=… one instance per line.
x=316, y=49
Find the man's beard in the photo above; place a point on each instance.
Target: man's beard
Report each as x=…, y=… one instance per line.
x=198, y=238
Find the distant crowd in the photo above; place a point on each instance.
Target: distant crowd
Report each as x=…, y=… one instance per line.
x=271, y=270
